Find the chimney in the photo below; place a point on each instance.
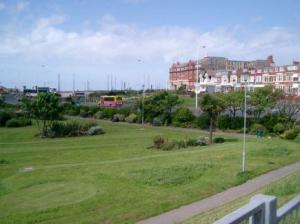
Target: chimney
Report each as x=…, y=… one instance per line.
x=270, y=59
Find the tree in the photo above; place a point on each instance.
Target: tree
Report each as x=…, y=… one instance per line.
x=159, y=105
x=44, y=109
x=261, y=99
x=233, y=101
x=182, y=90
x=213, y=105
x=289, y=107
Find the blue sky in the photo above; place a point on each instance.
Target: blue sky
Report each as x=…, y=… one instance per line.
x=136, y=40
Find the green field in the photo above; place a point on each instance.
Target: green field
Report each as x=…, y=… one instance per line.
x=115, y=178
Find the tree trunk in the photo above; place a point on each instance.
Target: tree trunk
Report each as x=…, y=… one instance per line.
x=211, y=130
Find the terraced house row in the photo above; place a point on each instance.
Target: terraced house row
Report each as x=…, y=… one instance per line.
x=217, y=74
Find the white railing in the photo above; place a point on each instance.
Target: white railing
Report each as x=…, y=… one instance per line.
x=262, y=209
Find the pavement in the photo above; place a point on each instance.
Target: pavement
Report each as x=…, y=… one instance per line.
x=187, y=211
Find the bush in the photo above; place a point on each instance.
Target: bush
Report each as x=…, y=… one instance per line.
x=256, y=128
x=270, y=120
x=92, y=110
x=98, y=115
x=226, y=122
x=17, y=122
x=181, y=144
x=157, y=121
x=202, y=141
x=219, y=140
x=168, y=146
x=192, y=142
x=297, y=128
x=290, y=134
x=95, y=130
x=124, y=111
x=83, y=113
x=203, y=121
x=182, y=117
x=279, y=128
x=108, y=113
x=4, y=117
x=132, y=118
x=158, y=142
x=68, y=129
x=118, y=117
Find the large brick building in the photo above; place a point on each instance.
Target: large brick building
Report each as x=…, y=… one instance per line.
x=220, y=74
x=185, y=73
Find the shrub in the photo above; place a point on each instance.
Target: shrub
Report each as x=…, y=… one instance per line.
x=157, y=121
x=258, y=127
x=4, y=117
x=203, y=121
x=192, y=142
x=118, y=117
x=73, y=112
x=226, y=122
x=83, y=113
x=219, y=140
x=98, y=115
x=92, y=110
x=182, y=117
x=290, y=134
x=270, y=120
x=68, y=129
x=18, y=122
x=124, y=111
x=202, y=141
x=109, y=112
x=297, y=128
x=168, y=146
x=95, y=130
x=181, y=144
x=279, y=128
x=132, y=118
x=158, y=142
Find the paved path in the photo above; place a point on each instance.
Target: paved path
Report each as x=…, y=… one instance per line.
x=180, y=214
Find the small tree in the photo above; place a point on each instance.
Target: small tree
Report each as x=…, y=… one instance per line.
x=213, y=106
x=44, y=109
x=160, y=104
x=262, y=99
x=233, y=101
x=290, y=108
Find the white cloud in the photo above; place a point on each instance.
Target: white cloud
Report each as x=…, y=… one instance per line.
x=2, y=6
x=114, y=40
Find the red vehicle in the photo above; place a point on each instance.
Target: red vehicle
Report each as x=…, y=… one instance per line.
x=110, y=101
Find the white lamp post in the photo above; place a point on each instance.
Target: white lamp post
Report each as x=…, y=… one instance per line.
x=245, y=126
x=143, y=106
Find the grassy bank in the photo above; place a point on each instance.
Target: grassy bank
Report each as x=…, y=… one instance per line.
x=114, y=178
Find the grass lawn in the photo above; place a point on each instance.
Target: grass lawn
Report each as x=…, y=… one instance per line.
x=114, y=178
x=284, y=190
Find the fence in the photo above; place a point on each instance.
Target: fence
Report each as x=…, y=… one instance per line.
x=262, y=209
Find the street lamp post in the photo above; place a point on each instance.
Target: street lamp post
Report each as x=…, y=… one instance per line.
x=245, y=126
x=143, y=98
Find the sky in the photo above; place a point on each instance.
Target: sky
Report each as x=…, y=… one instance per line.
x=136, y=41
